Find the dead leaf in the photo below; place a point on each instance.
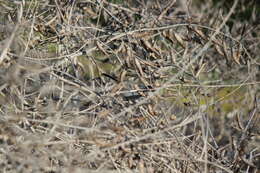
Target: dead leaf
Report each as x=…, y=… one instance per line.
x=139, y=67
x=179, y=39
x=236, y=54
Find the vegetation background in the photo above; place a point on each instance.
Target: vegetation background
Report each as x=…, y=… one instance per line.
x=129, y=86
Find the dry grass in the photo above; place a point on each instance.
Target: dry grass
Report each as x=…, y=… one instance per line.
x=129, y=86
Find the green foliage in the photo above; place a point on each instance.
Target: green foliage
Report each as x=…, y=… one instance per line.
x=52, y=47
x=93, y=68
x=220, y=101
